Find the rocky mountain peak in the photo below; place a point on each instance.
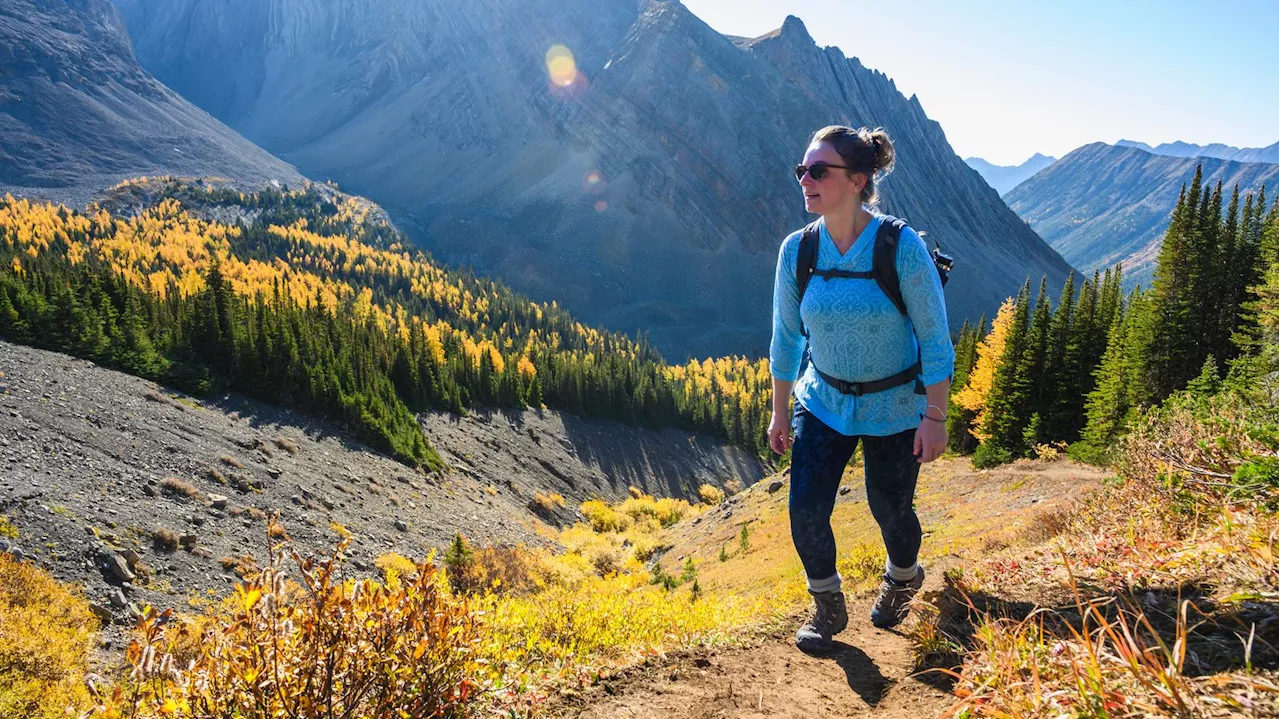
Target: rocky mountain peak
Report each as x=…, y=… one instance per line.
x=794, y=28
x=651, y=195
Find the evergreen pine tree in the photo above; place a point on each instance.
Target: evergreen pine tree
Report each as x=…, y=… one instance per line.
x=1030, y=378
x=1169, y=338
x=1108, y=404
x=959, y=418
x=1246, y=265
x=1078, y=365
x=1059, y=384
x=1208, y=382
x=1137, y=343
x=1005, y=418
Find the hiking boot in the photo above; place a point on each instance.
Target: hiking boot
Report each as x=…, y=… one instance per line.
x=829, y=617
x=892, y=605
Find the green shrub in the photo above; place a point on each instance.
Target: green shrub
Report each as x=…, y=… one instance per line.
x=1088, y=453
x=989, y=455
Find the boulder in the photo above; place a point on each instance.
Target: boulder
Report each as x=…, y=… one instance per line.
x=115, y=568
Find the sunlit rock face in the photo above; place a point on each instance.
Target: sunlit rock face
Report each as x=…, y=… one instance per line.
x=77, y=111
x=620, y=157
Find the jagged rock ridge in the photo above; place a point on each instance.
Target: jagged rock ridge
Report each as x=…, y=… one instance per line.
x=78, y=113
x=444, y=114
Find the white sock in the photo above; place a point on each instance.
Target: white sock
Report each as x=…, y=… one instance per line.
x=900, y=574
x=830, y=584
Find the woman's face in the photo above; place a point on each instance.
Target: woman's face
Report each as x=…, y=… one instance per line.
x=837, y=190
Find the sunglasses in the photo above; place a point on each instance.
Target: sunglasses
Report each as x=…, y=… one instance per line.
x=817, y=170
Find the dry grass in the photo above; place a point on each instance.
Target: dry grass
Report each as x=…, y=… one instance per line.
x=180, y=488
x=213, y=474
x=243, y=565
x=1111, y=661
x=546, y=503
x=1146, y=601
x=287, y=444
x=164, y=539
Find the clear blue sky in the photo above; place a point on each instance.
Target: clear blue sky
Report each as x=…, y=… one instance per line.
x=1007, y=79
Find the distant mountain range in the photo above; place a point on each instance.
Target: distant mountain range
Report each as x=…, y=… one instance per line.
x=645, y=183
x=77, y=112
x=1003, y=178
x=1102, y=204
x=1269, y=154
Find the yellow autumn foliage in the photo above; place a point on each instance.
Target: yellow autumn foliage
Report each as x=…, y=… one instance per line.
x=973, y=396
x=46, y=634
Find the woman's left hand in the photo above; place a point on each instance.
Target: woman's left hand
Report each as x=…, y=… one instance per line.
x=931, y=440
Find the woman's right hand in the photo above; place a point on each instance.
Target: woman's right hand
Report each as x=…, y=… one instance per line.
x=779, y=433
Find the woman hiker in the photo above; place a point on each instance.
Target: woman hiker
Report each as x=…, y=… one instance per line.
x=878, y=372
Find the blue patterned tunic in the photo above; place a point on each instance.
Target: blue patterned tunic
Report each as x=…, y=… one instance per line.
x=856, y=334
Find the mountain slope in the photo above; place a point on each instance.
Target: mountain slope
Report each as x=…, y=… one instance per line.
x=88, y=448
x=77, y=112
x=1003, y=178
x=1270, y=154
x=309, y=299
x=1101, y=204
x=650, y=192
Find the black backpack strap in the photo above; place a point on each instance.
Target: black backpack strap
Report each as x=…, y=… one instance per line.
x=885, y=260
x=806, y=262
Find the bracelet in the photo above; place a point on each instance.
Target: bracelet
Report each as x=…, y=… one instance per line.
x=940, y=411
x=931, y=419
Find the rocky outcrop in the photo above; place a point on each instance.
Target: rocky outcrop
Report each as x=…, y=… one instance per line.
x=1101, y=204
x=78, y=113
x=649, y=193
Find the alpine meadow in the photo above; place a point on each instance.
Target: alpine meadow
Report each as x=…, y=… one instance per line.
x=390, y=360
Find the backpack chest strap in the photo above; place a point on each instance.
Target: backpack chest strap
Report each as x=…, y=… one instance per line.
x=845, y=274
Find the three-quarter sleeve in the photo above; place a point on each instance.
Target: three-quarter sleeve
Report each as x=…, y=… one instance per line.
x=922, y=293
x=787, y=346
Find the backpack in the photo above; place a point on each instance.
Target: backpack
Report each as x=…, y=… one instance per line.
x=884, y=270
x=884, y=262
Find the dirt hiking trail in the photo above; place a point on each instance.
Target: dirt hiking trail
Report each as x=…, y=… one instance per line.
x=869, y=672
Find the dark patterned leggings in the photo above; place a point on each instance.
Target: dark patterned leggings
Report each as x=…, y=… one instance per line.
x=818, y=458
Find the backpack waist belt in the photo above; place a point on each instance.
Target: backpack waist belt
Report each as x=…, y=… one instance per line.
x=906, y=376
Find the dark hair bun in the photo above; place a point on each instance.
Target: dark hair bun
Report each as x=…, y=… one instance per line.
x=883, y=150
